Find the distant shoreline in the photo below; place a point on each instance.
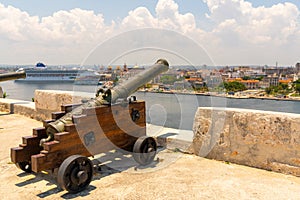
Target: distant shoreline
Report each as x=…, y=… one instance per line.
x=297, y=99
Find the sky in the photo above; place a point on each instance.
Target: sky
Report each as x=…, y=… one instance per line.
x=211, y=32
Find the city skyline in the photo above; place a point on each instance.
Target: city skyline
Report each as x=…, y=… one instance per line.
x=232, y=32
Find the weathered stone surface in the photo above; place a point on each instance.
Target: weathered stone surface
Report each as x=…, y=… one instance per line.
x=48, y=101
x=16, y=106
x=268, y=140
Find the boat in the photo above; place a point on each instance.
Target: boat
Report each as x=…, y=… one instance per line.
x=88, y=77
x=41, y=73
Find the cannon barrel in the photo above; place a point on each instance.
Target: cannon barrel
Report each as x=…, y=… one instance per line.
x=12, y=76
x=121, y=91
x=124, y=90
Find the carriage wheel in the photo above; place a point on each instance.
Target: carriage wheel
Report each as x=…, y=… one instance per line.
x=75, y=173
x=25, y=166
x=144, y=150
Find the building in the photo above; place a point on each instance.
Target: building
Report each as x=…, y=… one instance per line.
x=288, y=82
x=270, y=81
x=179, y=85
x=213, y=81
x=251, y=84
x=279, y=70
x=298, y=68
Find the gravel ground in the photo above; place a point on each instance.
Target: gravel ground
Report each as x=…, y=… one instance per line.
x=172, y=176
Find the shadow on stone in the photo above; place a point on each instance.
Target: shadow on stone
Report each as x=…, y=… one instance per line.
x=104, y=165
x=84, y=193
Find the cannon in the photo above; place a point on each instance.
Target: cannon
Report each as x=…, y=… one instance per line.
x=112, y=120
x=12, y=76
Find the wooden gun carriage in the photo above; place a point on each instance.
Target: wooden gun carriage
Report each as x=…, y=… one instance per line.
x=97, y=129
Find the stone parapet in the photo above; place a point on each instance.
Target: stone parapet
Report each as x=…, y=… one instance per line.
x=48, y=101
x=261, y=139
x=21, y=107
x=45, y=102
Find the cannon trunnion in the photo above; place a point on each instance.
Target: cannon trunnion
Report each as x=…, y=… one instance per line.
x=97, y=130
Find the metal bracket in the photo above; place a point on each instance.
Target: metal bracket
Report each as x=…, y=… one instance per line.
x=135, y=115
x=89, y=138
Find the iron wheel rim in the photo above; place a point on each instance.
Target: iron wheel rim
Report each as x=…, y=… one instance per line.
x=75, y=173
x=144, y=150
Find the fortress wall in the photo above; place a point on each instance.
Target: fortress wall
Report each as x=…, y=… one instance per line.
x=48, y=101
x=261, y=139
x=45, y=102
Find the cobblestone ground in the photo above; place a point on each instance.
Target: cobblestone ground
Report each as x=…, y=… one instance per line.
x=173, y=176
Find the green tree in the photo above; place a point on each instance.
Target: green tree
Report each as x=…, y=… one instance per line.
x=234, y=86
x=259, y=78
x=5, y=95
x=246, y=78
x=280, y=89
x=268, y=90
x=169, y=79
x=284, y=86
x=297, y=87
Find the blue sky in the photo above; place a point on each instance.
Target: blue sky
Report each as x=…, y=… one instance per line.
x=231, y=31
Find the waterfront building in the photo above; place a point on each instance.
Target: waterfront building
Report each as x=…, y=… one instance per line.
x=251, y=84
x=180, y=85
x=213, y=81
x=270, y=81
x=225, y=76
x=288, y=82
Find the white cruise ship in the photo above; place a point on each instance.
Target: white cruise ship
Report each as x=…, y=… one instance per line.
x=41, y=73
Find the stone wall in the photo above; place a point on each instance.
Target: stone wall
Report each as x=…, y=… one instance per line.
x=267, y=140
x=48, y=101
x=25, y=108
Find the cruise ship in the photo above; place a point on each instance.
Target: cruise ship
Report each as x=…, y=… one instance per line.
x=40, y=73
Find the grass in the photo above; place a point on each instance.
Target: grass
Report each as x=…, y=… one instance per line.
x=5, y=95
x=295, y=95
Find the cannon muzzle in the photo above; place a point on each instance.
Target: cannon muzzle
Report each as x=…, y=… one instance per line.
x=12, y=76
x=121, y=91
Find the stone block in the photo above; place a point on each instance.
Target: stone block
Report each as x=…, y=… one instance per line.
x=48, y=101
x=267, y=140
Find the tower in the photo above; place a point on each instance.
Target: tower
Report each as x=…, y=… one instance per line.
x=298, y=68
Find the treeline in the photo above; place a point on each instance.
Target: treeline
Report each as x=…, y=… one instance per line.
x=284, y=89
x=234, y=86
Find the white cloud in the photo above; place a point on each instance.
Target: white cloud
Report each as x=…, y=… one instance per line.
x=167, y=17
x=170, y=18
x=140, y=17
x=66, y=35
x=15, y=24
x=259, y=25
x=241, y=33
x=248, y=34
